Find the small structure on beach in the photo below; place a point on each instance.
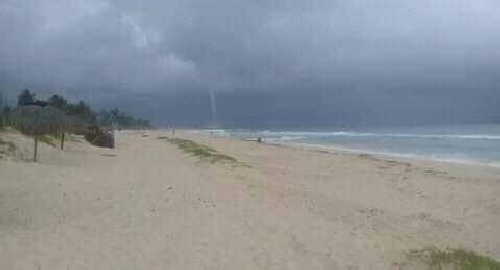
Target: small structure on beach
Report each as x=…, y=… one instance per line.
x=100, y=137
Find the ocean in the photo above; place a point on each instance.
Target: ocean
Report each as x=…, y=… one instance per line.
x=476, y=144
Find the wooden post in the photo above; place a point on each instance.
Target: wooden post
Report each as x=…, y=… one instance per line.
x=35, y=152
x=62, y=141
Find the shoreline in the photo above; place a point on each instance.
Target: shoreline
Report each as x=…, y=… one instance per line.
x=339, y=150
x=383, y=155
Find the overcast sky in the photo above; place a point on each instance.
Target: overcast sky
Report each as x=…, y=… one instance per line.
x=349, y=61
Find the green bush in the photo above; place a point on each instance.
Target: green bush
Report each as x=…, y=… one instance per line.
x=459, y=259
x=203, y=152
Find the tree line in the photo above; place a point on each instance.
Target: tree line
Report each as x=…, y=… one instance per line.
x=79, y=112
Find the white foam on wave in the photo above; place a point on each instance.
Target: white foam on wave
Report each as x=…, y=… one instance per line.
x=367, y=134
x=287, y=135
x=286, y=138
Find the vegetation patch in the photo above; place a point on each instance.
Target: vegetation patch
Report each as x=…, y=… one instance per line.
x=50, y=140
x=203, y=152
x=459, y=259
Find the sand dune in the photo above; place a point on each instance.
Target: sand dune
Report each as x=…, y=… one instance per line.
x=148, y=205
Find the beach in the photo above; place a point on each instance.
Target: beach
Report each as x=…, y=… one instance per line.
x=149, y=205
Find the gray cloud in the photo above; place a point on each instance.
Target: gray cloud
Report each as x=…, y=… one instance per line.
x=359, y=54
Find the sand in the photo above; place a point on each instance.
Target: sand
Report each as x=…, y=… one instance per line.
x=148, y=205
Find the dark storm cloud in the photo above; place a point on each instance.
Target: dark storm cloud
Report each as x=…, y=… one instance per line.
x=359, y=56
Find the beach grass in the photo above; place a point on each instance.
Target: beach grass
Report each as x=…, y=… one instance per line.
x=50, y=140
x=202, y=151
x=459, y=259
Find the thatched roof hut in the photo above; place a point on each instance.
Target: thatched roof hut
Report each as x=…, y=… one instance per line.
x=36, y=120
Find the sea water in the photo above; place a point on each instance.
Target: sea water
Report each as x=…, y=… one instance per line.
x=464, y=144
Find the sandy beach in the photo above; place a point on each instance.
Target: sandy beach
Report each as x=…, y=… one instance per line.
x=149, y=205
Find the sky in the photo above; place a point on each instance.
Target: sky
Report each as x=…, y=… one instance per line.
x=266, y=62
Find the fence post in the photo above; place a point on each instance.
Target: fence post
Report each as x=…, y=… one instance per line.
x=62, y=140
x=35, y=152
